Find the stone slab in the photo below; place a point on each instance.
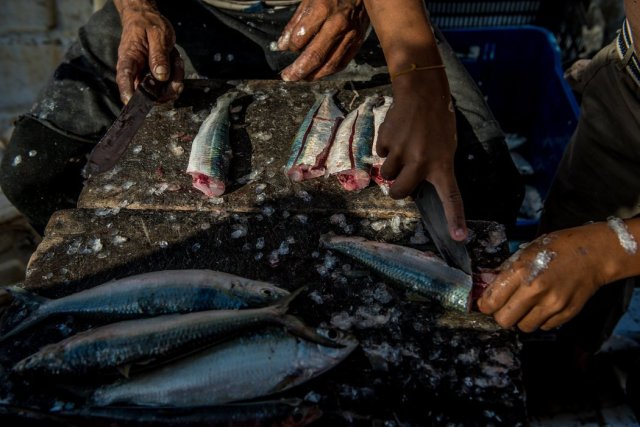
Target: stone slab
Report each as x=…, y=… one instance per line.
x=151, y=174
x=416, y=364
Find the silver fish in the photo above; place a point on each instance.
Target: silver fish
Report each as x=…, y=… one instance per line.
x=424, y=274
x=312, y=143
x=247, y=367
x=352, y=147
x=118, y=345
x=146, y=295
x=211, y=151
x=379, y=113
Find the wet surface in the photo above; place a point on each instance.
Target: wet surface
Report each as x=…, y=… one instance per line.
x=416, y=364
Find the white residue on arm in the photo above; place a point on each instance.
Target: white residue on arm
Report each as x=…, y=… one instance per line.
x=626, y=239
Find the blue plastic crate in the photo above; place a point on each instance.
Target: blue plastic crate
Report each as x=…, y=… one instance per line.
x=519, y=71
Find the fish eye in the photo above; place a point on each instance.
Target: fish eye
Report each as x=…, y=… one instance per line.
x=267, y=292
x=332, y=333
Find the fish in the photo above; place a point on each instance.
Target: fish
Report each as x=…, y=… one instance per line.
x=352, y=147
x=522, y=164
x=379, y=113
x=247, y=367
x=312, y=143
x=211, y=150
x=121, y=344
x=417, y=271
x=144, y=295
x=271, y=413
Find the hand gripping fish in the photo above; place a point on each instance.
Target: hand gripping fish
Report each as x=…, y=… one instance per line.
x=211, y=151
x=247, y=367
x=419, y=272
x=379, y=113
x=352, y=147
x=144, y=295
x=312, y=143
x=121, y=344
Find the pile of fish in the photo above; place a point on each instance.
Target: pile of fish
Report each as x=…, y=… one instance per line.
x=326, y=144
x=204, y=338
x=330, y=144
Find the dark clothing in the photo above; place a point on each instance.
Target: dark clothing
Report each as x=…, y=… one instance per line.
x=82, y=100
x=598, y=177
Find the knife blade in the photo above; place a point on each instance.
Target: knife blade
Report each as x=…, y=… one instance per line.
x=432, y=212
x=115, y=142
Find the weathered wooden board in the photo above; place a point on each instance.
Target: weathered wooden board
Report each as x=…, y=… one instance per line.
x=416, y=365
x=151, y=174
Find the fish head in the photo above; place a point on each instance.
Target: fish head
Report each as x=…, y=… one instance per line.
x=256, y=291
x=347, y=342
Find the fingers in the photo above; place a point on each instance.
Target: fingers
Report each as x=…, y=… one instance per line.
x=302, y=32
x=312, y=58
x=340, y=57
x=176, y=85
x=502, y=288
x=127, y=71
x=405, y=177
x=160, y=45
x=283, y=41
x=447, y=187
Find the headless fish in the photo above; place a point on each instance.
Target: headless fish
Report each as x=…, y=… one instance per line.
x=145, y=295
x=352, y=147
x=247, y=367
x=419, y=272
x=211, y=151
x=379, y=113
x=140, y=341
x=312, y=143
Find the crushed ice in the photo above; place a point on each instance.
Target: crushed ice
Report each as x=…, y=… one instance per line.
x=540, y=264
x=625, y=238
x=239, y=230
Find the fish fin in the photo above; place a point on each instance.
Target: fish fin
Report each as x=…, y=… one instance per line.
x=414, y=297
x=124, y=370
x=24, y=311
x=299, y=328
x=286, y=382
x=283, y=304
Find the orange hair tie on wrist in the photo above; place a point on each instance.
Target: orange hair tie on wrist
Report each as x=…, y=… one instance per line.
x=414, y=67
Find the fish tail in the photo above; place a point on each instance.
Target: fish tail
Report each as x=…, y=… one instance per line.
x=25, y=311
x=299, y=328
x=282, y=306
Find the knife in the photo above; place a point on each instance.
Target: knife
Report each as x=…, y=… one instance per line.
x=114, y=143
x=432, y=212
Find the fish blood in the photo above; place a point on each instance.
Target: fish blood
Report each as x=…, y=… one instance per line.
x=626, y=239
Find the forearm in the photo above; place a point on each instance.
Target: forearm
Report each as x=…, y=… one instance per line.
x=620, y=248
x=405, y=33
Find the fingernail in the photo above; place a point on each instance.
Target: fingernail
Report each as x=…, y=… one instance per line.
x=459, y=234
x=160, y=71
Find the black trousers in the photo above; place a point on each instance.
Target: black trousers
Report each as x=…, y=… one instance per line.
x=40, y=172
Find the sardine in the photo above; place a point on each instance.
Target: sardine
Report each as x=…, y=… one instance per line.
x=244, y=368
x=417, y=271
x=211, y=151
x=522, y=164
x=273, y=413
x=379, y=113
x=118, y=345
x=145, y=295
x=352, y=147
x=312, y=143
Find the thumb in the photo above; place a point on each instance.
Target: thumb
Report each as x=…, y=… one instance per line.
x=448, y=191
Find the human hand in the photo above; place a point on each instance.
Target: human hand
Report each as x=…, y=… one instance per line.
x=418, y=139
x=547, y=283
x=147, y=43
x=329, y=34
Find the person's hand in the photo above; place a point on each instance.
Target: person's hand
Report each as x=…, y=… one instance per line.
x=547, y=283
x=328, y=33
x=147, y=43
x=418, y=139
